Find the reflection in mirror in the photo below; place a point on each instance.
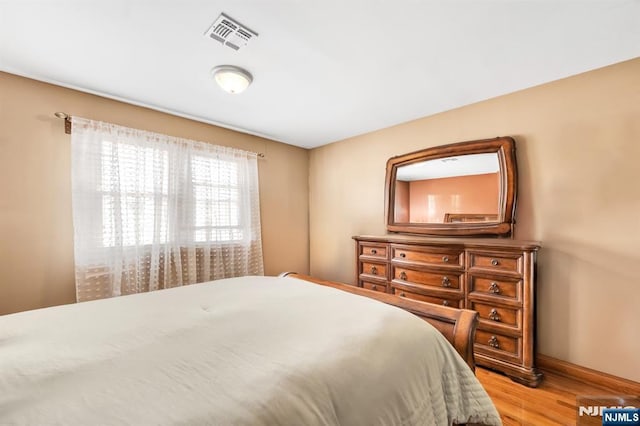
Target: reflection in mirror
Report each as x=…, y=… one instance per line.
x=463, y=188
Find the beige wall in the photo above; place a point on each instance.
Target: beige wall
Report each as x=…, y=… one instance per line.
x=578, y=149
x=36, y=231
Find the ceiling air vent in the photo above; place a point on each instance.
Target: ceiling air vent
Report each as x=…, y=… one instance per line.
x=230, y=32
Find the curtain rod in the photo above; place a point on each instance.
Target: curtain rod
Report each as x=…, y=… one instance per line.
x=67, y=126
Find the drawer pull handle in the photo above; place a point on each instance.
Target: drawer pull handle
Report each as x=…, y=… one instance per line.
x=446, y=282
x=445, y=259
x=402, y=294
x=403, y=276
x=374, y=270
x=495, y=262
x=494, y=316
x=374, y=251
x=403, y=255
x=493, y=342
x=445, y=303
x=374, y=287
x=494, y=289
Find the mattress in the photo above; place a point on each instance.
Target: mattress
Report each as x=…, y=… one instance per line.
x=240, y=351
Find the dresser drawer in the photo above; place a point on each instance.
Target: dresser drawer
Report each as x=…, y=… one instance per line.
x=494, y=277
x=375, y=286
x=499, y=262
x=499, y=346
x=497, y=316
x=373, y=270
x=450, y=280
x=500, y=289
x=372, y=250
x=456, y=303
x=431, y=257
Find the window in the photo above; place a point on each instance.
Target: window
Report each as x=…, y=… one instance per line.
x=153, y=211
x=134, y=186
x=137, y=180
x=217, y=200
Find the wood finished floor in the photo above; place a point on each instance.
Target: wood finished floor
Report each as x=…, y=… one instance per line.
x=552, y=403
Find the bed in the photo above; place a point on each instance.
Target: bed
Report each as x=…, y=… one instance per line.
x=241, y=351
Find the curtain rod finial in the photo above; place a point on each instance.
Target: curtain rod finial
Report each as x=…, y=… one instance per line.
x=67, y=121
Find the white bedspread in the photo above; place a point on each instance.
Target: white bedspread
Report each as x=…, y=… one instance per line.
x=242, y=351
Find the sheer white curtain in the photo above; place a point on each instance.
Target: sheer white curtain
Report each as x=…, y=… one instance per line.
x=152, y=211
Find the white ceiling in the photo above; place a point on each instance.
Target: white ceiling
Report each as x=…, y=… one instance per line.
x=458, y=165
x=323, y=70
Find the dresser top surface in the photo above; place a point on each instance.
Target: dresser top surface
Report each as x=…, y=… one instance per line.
x=453, y=242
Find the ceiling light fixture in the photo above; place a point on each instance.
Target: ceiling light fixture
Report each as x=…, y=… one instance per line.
x=232, y=79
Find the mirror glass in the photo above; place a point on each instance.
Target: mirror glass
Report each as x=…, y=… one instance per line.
x=454, y=189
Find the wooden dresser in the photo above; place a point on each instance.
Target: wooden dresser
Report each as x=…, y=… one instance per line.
x=494, y=277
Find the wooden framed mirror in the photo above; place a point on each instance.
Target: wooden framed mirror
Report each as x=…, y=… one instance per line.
x=462, y=189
